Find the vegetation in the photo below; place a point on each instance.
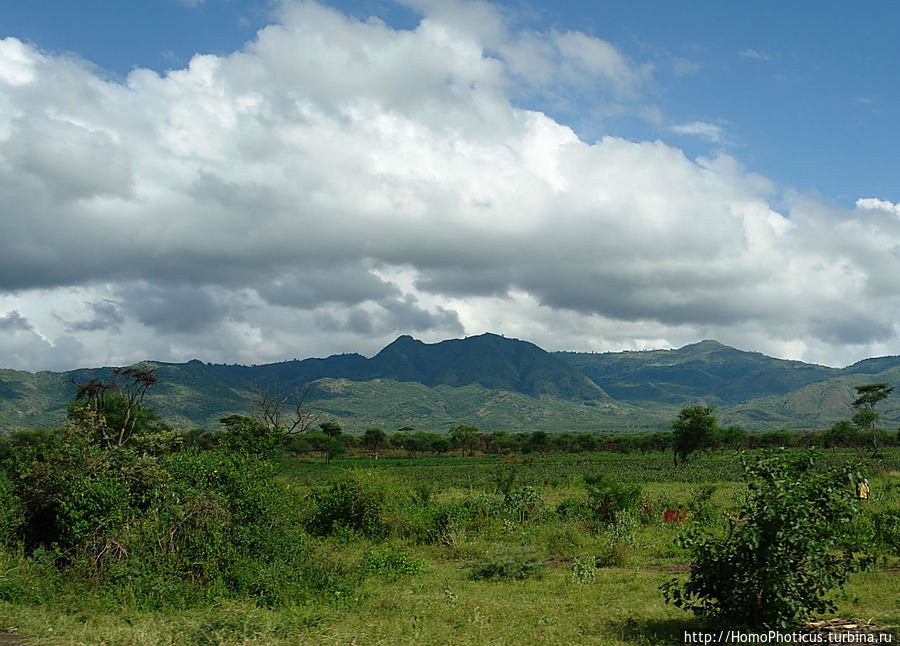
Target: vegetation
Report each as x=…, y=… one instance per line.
x=257, y=534
x=865, y=417
x=783, y=549
x=487, y=381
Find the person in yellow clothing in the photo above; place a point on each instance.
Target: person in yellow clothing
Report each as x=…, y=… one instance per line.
x=862, y=490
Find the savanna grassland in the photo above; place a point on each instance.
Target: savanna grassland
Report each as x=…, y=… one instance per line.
x=243, y=544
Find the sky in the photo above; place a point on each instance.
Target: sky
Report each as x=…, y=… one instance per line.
x=250, y=181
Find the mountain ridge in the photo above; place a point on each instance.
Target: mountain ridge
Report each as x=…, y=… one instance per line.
x=490, y=380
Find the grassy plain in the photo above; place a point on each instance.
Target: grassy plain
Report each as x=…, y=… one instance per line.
x=481, y=550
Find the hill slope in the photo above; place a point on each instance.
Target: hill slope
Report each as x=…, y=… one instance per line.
x=492, y=382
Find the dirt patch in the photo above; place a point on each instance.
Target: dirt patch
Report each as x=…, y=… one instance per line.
x=678, y=567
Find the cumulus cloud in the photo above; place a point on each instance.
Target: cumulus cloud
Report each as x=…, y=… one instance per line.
x=339, y=182
x=874, y=204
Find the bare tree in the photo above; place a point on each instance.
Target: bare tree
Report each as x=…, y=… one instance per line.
x=285, y=413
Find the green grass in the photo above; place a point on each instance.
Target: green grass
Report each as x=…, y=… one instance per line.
x=438, y=601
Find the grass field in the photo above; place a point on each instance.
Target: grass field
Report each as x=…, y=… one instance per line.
x=473, y=551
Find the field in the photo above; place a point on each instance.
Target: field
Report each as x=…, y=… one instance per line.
x=460, y=550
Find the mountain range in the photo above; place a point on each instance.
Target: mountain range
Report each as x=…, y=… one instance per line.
x=494, y=383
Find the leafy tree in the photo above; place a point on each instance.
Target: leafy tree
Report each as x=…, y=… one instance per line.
x=373, y=438
x=865, y=417
x=248, y=435
x=334, y=447
x=331, y=429
x=119, y=403
x=465, y=437
x=732, y=437
x=782, y=552
x=693, y=430
x=842, y=433
x=537, y=441
x=609, y=497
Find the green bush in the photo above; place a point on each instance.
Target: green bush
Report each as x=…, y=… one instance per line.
x=886, y=528
x=505, y=568
x=392, y=562
x=356, y=500
x=781, y=554
x=608, y=497
x=584, y=570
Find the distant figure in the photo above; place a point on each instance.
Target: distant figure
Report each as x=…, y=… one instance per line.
x=862, y=490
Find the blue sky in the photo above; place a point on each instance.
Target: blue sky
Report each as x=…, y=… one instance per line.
x=250, y=181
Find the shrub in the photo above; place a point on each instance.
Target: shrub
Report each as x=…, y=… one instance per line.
x=355, y=500
x=505, y=568
x=609, y=497
x=392, y=563
x=782, y=552
x=584, y=570
x=886, y=526
x=524, y=504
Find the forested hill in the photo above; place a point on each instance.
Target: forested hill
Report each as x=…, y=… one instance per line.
x=492, y=382
x=708, y=370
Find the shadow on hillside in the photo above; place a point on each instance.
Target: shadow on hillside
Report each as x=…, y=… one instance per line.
x=665, y=632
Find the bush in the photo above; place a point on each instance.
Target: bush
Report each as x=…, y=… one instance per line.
x=505, y=568
x=392, y=562
x=782, y=552
x=608, y=497
x=584, y=570
x=886, y=526
x=355, y=500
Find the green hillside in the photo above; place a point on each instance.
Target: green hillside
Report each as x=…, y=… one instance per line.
x=494, y=383
x=708, y=370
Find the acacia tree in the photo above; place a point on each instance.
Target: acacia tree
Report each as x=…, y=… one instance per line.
x=693, y=430
x=865, y=417
x=118, y=404
x=373, y=438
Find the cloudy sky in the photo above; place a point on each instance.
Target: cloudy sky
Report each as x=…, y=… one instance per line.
x=250, y=181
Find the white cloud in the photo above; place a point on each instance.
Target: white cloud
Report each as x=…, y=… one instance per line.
x=874, y=204
x=754, y=54
x=704, y=130
x=339, y=182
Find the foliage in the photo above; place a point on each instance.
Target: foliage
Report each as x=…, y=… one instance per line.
x=248, y=435
x=865, y=417
x=584, y=570
x=609, y=497
x=782, y=552
x=357, y=500
x=886, y=528
x=517, y=567
x=392, y=562
x=693, y=430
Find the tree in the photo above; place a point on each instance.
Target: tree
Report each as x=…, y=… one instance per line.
x=865, y=417
x=465, y=437
x=783, y=550
x=331, y=429
x=693, y=430
x=537, y=441
x=373, y=438
x=119, y=404
x=272, y=409
x=248, y=435
x=842, y=433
